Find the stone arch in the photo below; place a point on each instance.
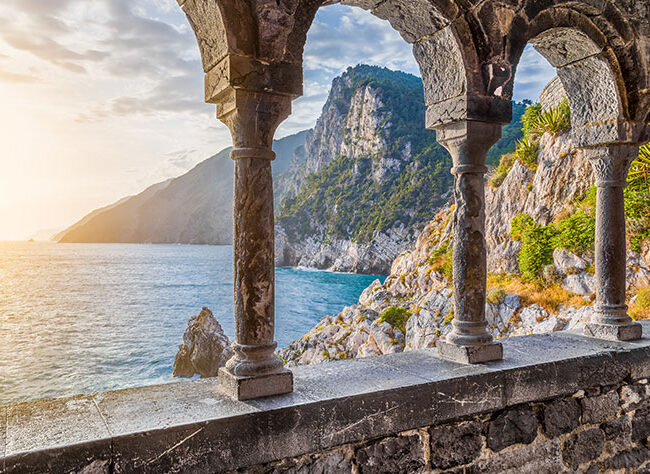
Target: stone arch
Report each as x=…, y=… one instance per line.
x=443, y=45
x=592, y=53
x=221, y=28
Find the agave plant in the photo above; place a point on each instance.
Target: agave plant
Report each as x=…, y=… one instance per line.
x=556, y=120
x=527, y=152
x=639, y=174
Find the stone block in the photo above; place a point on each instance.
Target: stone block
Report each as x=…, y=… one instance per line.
x=455, y=444
x=538, y=458
x=627, y=459
x=470, y=355
x=394, y=454
x=619, y=429
x=633, y=396
x=561, y=416
x=250, y=388
x=641, y=424
x=582, y=447
x=58, y=435
x=610, y=332
x=599, y=409
x=321, y=463
x=517, y=425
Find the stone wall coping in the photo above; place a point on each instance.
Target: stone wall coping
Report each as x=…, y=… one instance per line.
x=190, y=426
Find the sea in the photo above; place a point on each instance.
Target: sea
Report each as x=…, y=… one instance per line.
x=82, y=318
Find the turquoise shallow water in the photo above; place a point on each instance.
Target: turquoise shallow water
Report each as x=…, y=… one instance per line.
x=79, y=318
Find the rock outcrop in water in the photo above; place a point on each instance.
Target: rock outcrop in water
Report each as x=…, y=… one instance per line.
x=205, y=347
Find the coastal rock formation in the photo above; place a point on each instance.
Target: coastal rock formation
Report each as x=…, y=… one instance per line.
x=370, y=176
x=205, y=347
x=563, y=174
x=413, y=308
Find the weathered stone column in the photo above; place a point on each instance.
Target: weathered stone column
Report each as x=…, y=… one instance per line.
x=468, y=143
x=254, y=371
x=609, y=319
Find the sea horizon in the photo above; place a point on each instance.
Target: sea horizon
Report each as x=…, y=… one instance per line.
x=80, y=318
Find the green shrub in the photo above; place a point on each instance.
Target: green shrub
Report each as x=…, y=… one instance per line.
x=530, y=118
x=550, y=274
x=519, y=225
x=556, y=120
x=536, y=250
x=441, y=261
x=396, y=317
x=639, y=175
x=527, y=152
x=576, y=232
x=501, y=171
x=637, y=200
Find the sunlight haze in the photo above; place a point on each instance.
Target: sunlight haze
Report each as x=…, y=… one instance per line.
x=102, y=98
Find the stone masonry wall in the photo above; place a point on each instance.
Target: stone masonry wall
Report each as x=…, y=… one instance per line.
x=603, y=429
x=552, y=94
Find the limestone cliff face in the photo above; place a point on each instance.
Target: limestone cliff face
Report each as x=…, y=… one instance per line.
x=338, y=214
x=368, y=177
x=563, y=174
x=421, y=288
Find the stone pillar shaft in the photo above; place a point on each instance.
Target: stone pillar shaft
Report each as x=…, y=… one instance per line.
x=254, y=270
x=609, y=318
x=468, y=143
x=255, y=370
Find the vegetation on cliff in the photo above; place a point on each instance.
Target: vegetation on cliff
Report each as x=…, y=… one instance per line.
x=357, y=196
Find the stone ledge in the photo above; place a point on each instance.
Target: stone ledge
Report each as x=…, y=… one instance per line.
x=191, y=426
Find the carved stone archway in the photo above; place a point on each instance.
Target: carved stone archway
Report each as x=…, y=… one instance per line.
x=467, y=53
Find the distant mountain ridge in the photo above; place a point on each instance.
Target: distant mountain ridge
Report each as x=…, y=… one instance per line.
x=350, y=195
x=371, y=178
x=195, y=208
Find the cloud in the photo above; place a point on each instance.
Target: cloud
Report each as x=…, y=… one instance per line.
x=533, y=74
x=6, y=76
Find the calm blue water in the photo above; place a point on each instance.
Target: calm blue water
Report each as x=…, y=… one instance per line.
x=83, y=318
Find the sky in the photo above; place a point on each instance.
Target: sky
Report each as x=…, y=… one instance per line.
x=102, y=98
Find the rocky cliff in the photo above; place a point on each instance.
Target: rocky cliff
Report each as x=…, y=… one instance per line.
x=195, y=208
x=368, y=176
x=413, y=307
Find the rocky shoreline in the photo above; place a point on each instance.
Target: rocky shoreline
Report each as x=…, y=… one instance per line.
x=413, y=308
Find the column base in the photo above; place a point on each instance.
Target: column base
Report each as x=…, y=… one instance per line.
x=248, y=388
x=614, y=332
x=470, y=354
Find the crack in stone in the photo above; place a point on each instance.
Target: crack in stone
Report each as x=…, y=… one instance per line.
x=363, y=420
x=180, y=443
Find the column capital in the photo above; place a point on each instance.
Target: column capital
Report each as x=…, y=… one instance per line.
x=468, y=142
x=252, y=118
x=611, y=163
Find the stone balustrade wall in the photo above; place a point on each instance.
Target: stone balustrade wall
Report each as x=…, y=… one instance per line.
x=600, y=429
x=558, y=402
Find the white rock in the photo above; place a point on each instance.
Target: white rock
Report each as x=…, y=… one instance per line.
x=421, y=330
x=530, y=317
x=551, y=324
x=512, y=301
x=577, y=317
x=566, y=261
x=368, y=350
x=579, y=284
